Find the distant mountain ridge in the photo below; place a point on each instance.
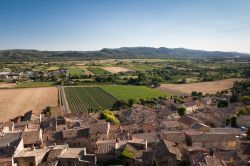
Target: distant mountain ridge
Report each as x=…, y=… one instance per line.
x=123, y=52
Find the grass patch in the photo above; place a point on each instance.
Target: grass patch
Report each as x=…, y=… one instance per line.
x=133, y=92
x=98, y=71
x=36, y=84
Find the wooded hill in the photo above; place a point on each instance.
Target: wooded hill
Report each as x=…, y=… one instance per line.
x=124, y=52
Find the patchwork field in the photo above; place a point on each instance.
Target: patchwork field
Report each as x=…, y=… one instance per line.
x=135, y=92
x=115, y=69
x=204, y=87
x=14, y=102
x=83, y=99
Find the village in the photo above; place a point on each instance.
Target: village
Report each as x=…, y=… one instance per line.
x=160, y=135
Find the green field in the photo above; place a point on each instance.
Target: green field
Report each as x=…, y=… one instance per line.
x=135, y=92
x=83, y=99
x=98, y=71
x=53, y=68
x=36, y=84
x=76, y=71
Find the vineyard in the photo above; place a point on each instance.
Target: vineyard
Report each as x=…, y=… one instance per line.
x=82, y=99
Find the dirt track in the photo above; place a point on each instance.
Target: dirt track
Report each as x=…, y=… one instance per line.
x=204, y=87
x=14, y=102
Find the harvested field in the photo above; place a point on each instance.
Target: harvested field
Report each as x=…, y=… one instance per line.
x=115, y=69
x=7, y=85
x=204, y=87
x=14, y=102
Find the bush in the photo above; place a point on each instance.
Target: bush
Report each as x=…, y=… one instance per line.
x=245, y=99
x=222, y=103
x=244, y=111
x=120, y=104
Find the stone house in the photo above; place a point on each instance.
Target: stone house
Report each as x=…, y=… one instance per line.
x=171, y=126
x=32, y=137
x=77, y=137
x=211, y=140
x=177, y=137
x=30, y=156
x=98, y=131
x=10, y=144
x=105, y=151
x=166, y=153
x=193, y=106
x=77, y=157
x=243, y=121
x=188, y=122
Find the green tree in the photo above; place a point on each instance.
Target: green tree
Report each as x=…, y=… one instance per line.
x=248, y=134
x=233, y=122
x=182, y=111
x=47, y=111
x=131, y=102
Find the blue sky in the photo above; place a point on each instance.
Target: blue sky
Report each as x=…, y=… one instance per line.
x=91, y=24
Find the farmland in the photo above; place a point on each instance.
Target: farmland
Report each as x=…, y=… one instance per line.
x=135, y=92
x=35, y=99
x=205, y=87
x=98, y=71
x=35, y=84
x=7, y=85
x=115, y=69
x=82, y=99
x=75, y=71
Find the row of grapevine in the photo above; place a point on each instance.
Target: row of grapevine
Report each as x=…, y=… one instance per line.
x=82, y=99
